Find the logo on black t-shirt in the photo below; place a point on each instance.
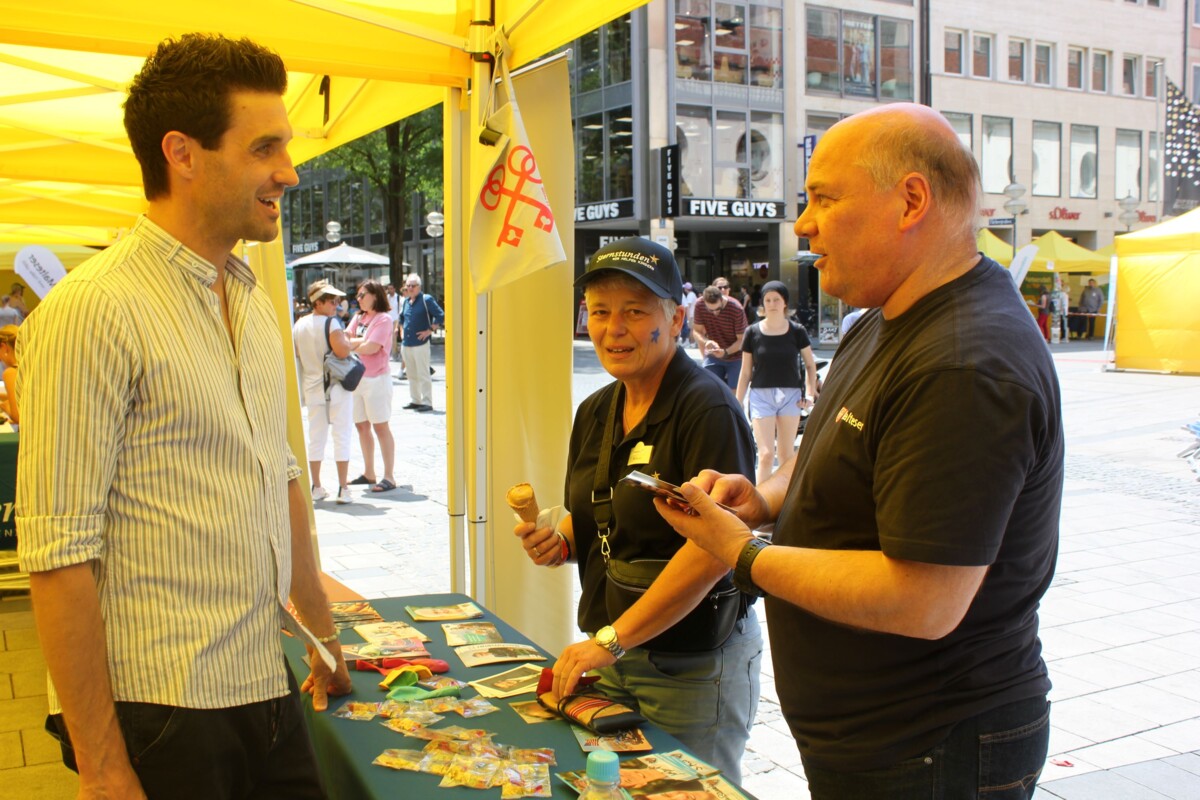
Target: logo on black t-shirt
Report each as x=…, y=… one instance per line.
x=845, y=415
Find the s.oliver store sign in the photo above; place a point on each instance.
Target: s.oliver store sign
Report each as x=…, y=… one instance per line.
x=732, y=209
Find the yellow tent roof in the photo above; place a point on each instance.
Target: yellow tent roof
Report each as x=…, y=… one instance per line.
x=994, y=247
x=64, y=157
x=1180, y=235
x=1058, y=253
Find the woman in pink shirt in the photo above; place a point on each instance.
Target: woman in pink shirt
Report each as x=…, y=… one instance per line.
x=371, y=336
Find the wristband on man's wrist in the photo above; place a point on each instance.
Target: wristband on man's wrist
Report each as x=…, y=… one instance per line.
x=333, y=637
x=741, y=572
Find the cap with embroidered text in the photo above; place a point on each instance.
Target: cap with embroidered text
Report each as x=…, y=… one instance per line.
x=648, y=262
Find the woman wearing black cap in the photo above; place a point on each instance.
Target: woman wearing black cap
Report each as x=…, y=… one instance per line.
x=770, y=370
x=663, y=652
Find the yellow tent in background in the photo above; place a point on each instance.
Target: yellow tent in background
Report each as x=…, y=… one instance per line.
x=65, y=167
x=1057, y=253
x=1158, y=283
x=994, y=247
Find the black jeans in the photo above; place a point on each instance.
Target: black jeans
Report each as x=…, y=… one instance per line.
x=997, y=755
x=261, y=750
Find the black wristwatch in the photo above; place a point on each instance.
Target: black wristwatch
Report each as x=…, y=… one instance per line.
x=741, y=572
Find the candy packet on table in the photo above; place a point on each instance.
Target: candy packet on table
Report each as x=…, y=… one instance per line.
x=403, y=725
x=475, y=707
x=441, y=682
x=474, y=772
x=436, y=762
x=465, y=734
x=525, y=780
x=358, y=711
x=441, y=705
x=400, y=759
x=532, y=755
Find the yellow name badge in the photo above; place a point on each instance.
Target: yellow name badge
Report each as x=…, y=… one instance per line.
x=641, y=454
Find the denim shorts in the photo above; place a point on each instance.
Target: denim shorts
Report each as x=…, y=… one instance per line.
x=775, y=403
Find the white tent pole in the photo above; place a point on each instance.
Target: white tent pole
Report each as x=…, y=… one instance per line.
x=455, y=125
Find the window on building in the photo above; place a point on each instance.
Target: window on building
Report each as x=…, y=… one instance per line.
x=1083, y=161
x=693, y=133
x=823, y=60
x=766, y=155
x=589, y=144
x=1099, y=72
x=766, y=46
x=1017, y=53
x=619, y=124
x=617, y=50
x=588, y=75
x=1128, y=164
x=816, y=124
x=1047, y=159
x=731, y=174
x=952, y=53
x=1154, y=3
x=981, y=55
x=1129, y=75
x=962, y=126
x=857, y=54
x=730, y=56
x=895, y=59
x=1196, y=83
x=602, y=57
x=1075, y=57
x=693, y=54
x=1154, y=165
x=1043, y=64
x=1196, y=13
x=996, y=154
x=1153, y=66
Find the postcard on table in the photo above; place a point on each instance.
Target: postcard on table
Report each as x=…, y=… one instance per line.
x=476, y=655
x=532, y=712
x=437, y=613
x=460, y=633
x=353, y=612
x=389, y=631
x=518, y=680
x=630, y=741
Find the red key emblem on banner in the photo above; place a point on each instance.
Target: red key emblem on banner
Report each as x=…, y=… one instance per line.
x=522, y=167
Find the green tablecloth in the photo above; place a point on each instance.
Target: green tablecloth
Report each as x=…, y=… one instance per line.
x=8, y=490
x=346, y=748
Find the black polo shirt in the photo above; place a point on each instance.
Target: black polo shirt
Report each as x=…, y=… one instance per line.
x=693, y=424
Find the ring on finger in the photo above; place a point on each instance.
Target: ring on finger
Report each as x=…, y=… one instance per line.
x=537, y=552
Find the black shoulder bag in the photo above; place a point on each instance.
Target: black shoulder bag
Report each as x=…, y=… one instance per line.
x=708, y=625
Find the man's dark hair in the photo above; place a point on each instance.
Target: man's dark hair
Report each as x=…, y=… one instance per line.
x=185, y=86
x=712, y=294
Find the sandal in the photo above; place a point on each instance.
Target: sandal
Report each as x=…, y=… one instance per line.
x=383, y=486
x=361, y=480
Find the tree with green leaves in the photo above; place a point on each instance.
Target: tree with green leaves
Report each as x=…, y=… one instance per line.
x=397, y=160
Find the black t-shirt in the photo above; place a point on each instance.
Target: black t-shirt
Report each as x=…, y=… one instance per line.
x=693, y=424
x=776, y=364
x=938, y=439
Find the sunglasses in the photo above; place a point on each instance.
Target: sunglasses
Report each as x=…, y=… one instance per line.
x=360, y=295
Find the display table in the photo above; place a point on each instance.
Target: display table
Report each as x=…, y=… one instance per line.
x=345, y=748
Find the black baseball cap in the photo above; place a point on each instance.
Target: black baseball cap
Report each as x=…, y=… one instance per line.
x=648, y=262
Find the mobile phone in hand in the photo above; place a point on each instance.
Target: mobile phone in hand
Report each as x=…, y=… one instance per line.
x=668, y=491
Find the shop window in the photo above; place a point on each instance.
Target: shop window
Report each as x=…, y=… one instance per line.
x=1043, y=64
x=952, y=53
x=1083, y=161
x=692, y=51
x=895, y=62
x=731, y=175
x=693, y=133
x=823, y=62
x=981, y=55
x=1128, y=164
x=1047, y=159
x=1099, y=72
x=996, y=162
x=1075, y=56
x=766, y=155
x=1017, y=53
x=766, y=46
x=962, y=126
x=858, y=54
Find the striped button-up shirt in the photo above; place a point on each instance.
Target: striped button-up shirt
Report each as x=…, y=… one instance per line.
x=154, y=447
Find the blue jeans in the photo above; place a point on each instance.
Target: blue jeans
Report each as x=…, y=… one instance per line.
x=727, y=371
x=997, y=755
x=705, y=700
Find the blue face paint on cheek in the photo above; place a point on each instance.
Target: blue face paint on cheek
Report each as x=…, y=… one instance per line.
x=654, y=336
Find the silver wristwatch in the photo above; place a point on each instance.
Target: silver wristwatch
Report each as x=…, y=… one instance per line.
x=606, y=637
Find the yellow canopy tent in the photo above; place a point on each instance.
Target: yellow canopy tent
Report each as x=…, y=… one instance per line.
x=1057, y=253
x=1158, y=283
x=66, y=169
x=994, y=247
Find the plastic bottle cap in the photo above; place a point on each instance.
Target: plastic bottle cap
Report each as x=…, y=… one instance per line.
x=603, y=765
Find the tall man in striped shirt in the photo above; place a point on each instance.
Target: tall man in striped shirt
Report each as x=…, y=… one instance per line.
x=159, y=509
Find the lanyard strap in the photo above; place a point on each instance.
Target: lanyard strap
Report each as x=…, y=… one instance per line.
x=602, y=492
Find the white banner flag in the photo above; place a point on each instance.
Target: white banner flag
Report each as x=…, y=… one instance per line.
x=40, y=268
x=513, y=232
